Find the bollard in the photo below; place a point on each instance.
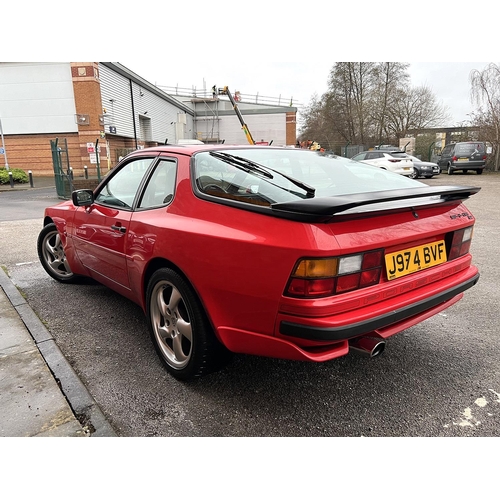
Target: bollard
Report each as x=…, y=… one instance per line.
x=30, y=175
x=71, y=173
x=86, y=170
x=11, y=179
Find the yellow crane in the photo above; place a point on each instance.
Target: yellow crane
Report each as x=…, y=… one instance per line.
x=248, y=135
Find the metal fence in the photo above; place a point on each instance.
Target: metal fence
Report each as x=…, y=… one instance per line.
x=63, y=172
x=63, y=180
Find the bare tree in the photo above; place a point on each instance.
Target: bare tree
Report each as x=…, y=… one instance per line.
x=414, y=108
x=316, y=124
x=350, y=85
x=370, y=103
x=485, y=92
x=390, y=78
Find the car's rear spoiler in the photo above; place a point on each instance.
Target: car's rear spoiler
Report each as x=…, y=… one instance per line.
x=325, y=207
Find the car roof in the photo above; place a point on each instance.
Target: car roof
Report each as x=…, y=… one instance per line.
x=190, y=149
x=381, y=151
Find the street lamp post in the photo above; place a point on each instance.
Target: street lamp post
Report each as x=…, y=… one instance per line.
x=4, y=150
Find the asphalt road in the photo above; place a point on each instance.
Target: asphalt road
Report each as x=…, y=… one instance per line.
x=439, y=378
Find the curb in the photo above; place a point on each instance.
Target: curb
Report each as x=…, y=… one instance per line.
x=80, y=400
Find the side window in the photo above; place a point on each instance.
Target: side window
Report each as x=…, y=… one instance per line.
x=161, y=186
x=446, y=151
x=359, y=157
x=121, y=189
x=373, y=155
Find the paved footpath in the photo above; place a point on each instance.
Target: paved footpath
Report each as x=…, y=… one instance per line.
x=40, y=394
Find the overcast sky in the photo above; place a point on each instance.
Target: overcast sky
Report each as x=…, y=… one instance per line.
x=274, y=49
x=300, y=80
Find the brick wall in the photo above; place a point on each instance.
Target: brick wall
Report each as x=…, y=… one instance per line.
x=88, y=103
x=33, y=152
x=291, y=129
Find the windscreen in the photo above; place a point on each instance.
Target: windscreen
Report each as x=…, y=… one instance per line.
x=265, y=176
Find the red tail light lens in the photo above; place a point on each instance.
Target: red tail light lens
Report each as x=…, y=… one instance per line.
x=311, y=288
x=314, y=278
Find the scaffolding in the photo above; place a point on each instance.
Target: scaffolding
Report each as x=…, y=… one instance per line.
x=248, y=98
x=210, y=117
x=207, y=121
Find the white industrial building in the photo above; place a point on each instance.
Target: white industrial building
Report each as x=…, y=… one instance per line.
x=104, y=108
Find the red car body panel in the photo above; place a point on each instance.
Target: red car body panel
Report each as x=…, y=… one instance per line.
x=239, y=263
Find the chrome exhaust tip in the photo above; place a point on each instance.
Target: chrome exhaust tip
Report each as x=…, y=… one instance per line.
x=368, y=346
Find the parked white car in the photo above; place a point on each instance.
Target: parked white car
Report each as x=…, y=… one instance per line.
x=395, y=161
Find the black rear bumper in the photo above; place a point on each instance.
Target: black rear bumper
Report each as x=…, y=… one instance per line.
x=364, y=327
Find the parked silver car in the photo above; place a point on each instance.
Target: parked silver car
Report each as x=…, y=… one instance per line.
x=425, y=169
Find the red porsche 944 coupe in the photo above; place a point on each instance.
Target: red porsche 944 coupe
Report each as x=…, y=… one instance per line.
x=268, y=251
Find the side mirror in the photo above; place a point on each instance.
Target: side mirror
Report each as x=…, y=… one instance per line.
x=82, y=197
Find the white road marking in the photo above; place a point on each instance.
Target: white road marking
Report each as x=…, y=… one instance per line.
x=468, y=419
x=481, y=402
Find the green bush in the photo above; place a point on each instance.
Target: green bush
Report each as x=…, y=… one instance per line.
x=18, y=175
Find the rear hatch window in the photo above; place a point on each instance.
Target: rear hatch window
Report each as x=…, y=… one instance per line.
x=468, y=149
x=266, y=176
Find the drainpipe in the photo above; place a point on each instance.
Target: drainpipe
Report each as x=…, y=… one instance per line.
x=133, y=112
x=3, y=147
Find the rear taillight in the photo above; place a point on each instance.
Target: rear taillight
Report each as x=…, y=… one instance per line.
x=455, y=158
x=460, y=243
x=314, y=278
x=394, y=161
x=484, y=157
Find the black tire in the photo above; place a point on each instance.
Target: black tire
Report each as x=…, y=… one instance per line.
x=414, y=175
x=479, y=171
x=52, y=256
x=450, y=170
x=181, y=333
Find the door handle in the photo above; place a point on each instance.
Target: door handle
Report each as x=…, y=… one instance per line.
x=119, y=228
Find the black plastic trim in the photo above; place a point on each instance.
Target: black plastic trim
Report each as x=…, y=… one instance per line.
x=330, y=205
x=364, y=327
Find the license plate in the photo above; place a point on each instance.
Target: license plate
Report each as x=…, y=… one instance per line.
x=414, y=259
x=463, y=159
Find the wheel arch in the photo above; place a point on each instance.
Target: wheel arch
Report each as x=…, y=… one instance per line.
x=47, y=220
x=159, y=263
